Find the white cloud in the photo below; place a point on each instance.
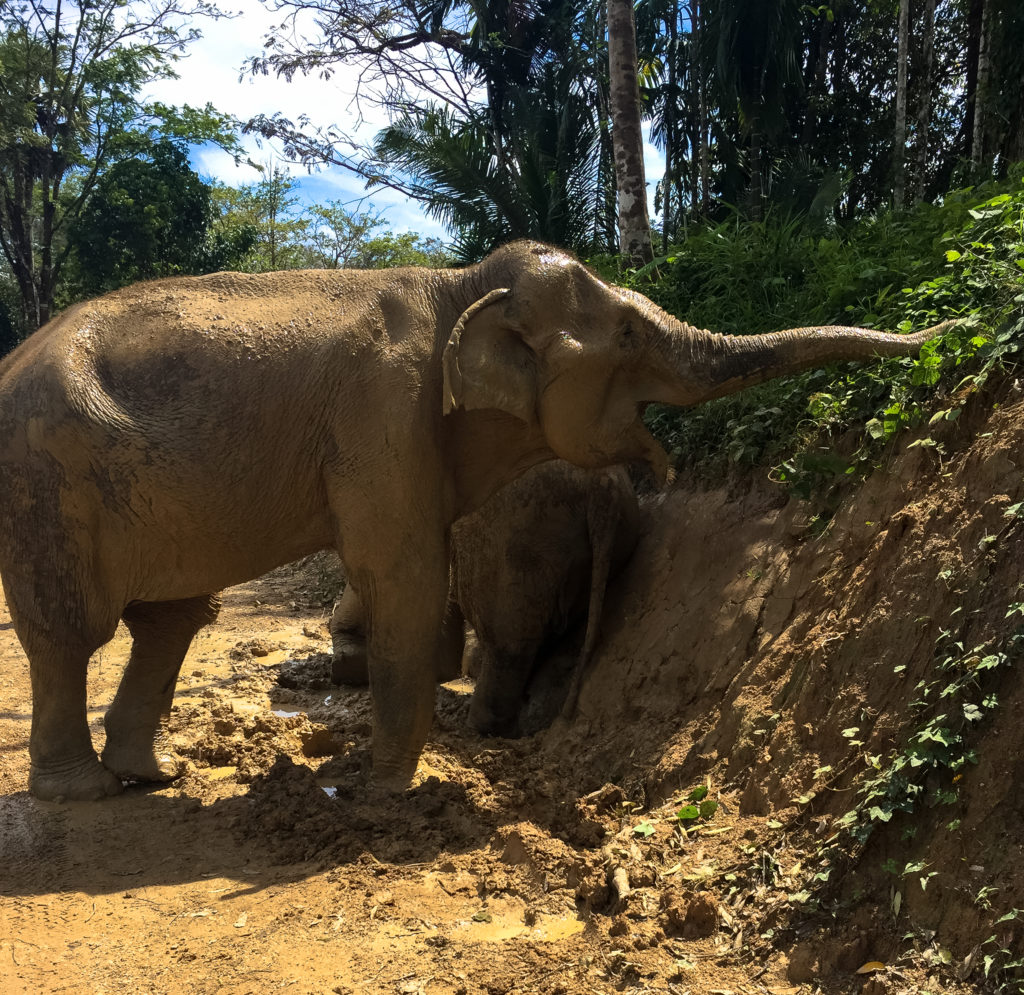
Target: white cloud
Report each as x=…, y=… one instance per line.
x=213, y=71
x=654, y=168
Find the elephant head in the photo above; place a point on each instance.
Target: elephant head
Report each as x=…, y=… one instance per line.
x=550, y=343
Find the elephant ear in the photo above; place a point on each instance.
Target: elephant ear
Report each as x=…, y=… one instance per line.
x=487, y=364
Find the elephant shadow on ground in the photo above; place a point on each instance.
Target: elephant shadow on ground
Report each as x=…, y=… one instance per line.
x=502, y=780
x=298, y=815
x=284, y=828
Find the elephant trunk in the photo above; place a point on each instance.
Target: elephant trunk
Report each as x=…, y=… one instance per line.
x=709, y=365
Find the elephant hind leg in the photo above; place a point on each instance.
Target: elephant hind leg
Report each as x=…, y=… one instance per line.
x=162, y=631
x=63, y=763
x=348, y=638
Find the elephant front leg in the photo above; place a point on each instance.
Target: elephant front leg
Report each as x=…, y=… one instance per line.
x=500, y=689
x=64, y=765
x=405, y=616
x=349, y=663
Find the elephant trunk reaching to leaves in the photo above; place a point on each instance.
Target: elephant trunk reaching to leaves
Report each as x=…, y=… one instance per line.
x=173, y=438
x=527, y=566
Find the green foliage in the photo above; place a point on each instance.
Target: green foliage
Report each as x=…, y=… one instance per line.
x=947, y=706
x=271, y=209
x=1002, y=961
x=148, y=218
x=898, y=271
x=71, y=106
x=956, y=698
x=339, y=238
x=276, y=231
x=388, y=249
x=697, y=808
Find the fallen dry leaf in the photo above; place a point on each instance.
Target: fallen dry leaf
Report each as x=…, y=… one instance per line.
x=870, y=967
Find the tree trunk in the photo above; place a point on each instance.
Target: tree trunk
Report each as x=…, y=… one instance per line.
x=924, y=111
x=816, y=80
x=668, y=225
x=605, y=228
x=980, y=96
x=702, y=111
x=839, y=59
x=1007, y=24
x=974, y=17
x=899, y=138
x=627, y=136
x=756, y=167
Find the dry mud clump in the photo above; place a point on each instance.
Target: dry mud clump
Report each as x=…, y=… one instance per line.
x=832, y=711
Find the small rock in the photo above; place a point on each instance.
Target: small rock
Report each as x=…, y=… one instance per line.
x=619, y=927
x=875, y=986
x=318, y=742
x=803, y=963
x=692, y=918
x=515, y=850
x=753, y=800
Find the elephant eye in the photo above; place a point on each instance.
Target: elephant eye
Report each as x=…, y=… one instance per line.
x=627, y=337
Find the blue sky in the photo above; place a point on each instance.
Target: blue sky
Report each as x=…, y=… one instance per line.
x=211, y=72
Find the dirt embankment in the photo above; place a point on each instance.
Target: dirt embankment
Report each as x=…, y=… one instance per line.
x=860, y=684
x=849, y=698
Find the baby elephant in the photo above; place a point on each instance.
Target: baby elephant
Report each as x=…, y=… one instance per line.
x=526, y=567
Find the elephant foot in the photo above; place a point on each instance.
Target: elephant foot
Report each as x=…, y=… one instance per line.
x=489, y=722
x=156, y=764
x=393, y=778
x=349, y=665
x=83, y=781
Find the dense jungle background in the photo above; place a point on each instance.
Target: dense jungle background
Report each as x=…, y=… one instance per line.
x=796, y=761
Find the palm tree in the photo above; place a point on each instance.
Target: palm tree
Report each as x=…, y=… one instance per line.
x=627, y=135
x=759, y=48
x=899, y=138
x=528, y=162
x=542, y=188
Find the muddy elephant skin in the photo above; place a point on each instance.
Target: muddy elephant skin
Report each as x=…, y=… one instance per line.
x=177, y=437
x=530, y=564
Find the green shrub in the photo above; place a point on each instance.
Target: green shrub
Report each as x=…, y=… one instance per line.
x=898, y=271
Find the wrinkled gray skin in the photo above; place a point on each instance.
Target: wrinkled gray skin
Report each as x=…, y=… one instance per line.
x=530, y=563
x=177, y=437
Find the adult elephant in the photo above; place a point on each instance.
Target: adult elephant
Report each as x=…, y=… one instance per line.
x=527, y=566
x=176, y=437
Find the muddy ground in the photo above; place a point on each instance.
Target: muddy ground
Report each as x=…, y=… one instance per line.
x=781, y=661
